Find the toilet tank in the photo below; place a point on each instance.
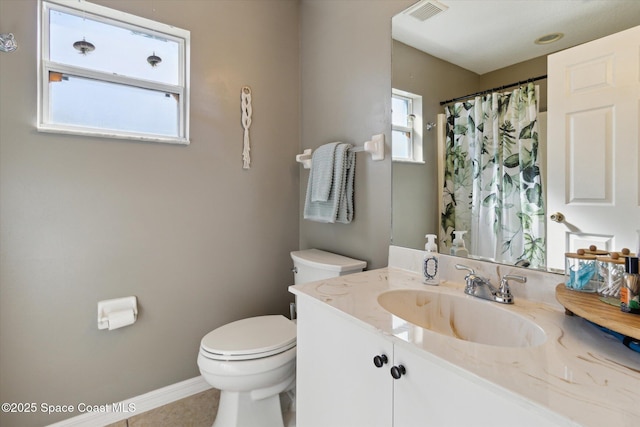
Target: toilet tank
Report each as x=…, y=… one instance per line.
x=313, y=264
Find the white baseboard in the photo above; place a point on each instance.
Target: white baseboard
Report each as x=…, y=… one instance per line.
x=137, y=405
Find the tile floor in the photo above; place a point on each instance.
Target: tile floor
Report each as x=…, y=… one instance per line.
x=198, y=410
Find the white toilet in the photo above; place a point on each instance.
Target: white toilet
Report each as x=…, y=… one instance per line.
x=253, y=360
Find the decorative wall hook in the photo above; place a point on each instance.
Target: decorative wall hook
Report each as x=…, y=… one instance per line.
x=8, y=42
x=246, y=123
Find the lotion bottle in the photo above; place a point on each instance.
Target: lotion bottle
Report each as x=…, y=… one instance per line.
x=430, y=263
x=458, y=248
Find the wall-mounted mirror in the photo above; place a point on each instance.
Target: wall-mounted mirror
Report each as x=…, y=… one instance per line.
x=448, y=49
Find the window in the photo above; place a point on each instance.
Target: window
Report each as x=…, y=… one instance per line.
x=108, y=73
x=406, y=127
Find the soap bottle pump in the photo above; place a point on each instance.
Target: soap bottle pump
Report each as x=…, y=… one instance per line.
x=458, y=248
x=430, y=264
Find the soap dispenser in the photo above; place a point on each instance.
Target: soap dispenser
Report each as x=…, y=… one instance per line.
x=430, y=263
x=458, y=248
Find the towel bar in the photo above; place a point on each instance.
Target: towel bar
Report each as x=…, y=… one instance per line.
x=375, y=147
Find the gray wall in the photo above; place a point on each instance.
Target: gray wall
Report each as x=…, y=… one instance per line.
x=346, y=96
x=518, y=72
x=196, y=238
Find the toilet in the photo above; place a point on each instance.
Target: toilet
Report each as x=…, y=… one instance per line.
x=251, y=361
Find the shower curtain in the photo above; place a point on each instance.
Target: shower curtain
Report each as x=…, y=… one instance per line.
x=492, y=183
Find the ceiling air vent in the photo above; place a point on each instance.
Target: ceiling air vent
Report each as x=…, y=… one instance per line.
x=426, y=9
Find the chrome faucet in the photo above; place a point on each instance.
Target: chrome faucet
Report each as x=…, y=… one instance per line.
x=480, y=287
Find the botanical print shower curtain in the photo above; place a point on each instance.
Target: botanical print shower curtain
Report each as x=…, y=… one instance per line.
x=492, y=182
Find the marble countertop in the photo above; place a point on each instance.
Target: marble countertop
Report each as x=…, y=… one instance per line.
x=580, y=373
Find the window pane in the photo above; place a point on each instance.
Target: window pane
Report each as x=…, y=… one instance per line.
x=104, y=105
x=130, y=48
x=399, y=111
x=400, y=145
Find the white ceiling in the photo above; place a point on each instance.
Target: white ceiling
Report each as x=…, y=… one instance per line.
x=485, y=35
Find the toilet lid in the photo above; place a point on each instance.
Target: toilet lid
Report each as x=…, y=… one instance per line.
x=250, y=338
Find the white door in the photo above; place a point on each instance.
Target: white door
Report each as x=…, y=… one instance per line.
x=592, y=155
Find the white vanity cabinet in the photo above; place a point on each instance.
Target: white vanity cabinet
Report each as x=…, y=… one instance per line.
x=338, y=384
x=433, y=394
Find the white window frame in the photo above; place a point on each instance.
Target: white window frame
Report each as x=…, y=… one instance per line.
x=121, y=19
x=415, y=128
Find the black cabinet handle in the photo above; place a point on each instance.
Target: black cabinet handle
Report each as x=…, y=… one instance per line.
x=380, y=360
x=398, y=371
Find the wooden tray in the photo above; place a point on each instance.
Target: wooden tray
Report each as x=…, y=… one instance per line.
x=588, y=306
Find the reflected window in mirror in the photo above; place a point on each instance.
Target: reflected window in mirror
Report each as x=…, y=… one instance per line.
x=406, y=127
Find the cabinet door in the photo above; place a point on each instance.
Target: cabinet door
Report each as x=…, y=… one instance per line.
x=432, y=394
x=338, y=384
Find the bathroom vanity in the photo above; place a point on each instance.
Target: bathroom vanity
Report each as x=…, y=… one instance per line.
x=448, y=359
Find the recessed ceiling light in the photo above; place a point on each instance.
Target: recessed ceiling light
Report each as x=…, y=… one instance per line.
x=549, y=38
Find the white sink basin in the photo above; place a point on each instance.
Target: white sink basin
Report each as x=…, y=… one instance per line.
x=462, y=317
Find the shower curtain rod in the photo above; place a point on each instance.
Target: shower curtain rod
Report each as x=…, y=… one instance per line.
x=533, y=79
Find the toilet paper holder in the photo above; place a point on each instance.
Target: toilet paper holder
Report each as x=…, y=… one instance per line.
x=118, y=307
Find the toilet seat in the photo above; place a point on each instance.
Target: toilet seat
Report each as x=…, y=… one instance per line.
x=252, y=338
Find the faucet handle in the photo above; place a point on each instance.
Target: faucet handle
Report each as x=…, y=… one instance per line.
x=504, y=290
x=506, y=278
x=469, y=278
x=464, y=267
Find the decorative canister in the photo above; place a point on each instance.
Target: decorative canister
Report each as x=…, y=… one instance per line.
x=630, y=292
x=625, y=252
x=611, y=270
x=581, y=271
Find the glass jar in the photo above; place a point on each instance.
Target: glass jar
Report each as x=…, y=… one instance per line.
x=611, y=271
x=581, y=272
